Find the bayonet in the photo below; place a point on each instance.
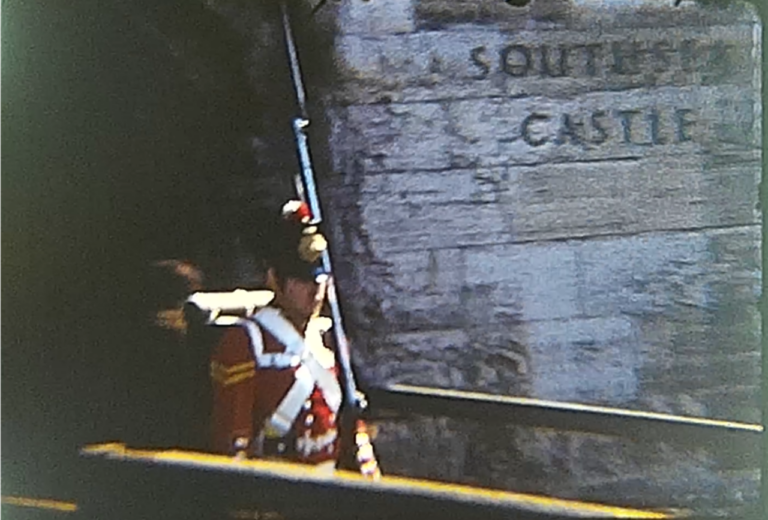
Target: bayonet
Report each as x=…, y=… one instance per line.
x=306, y=189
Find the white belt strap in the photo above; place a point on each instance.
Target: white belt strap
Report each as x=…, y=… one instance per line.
x=296, y=347
x=272, y=320
x=288, y=409
x=327, y=382
x=281, y=421
x=309, y=374
x=257, y=342
x=271, y=360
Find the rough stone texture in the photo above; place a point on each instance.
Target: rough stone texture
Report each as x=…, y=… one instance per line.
x=469, y=63
x=370, y=18
x=576, y=466
x=555, y=201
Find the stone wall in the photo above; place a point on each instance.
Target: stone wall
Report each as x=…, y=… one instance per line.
x=557, y=201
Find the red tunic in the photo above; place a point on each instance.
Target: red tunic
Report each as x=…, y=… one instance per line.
x=245, y=396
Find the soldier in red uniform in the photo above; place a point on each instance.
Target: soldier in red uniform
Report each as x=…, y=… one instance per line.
x=275, y=382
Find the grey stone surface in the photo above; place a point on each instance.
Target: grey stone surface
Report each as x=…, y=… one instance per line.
x=651, y=321
x=483, y=206
x=697, y=123
x=586, y=14
x=593, y=360
x=371, y=18
x=557, y=201
x=575, y=466
x=480, y=62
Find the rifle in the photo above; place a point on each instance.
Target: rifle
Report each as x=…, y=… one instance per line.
x=354, y=401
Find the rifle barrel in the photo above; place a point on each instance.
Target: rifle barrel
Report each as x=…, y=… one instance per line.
x=307, y=191
x=294, y=60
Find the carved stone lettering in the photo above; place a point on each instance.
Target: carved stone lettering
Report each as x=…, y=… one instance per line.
x=691, y=55
x=626, y=123
x=558, y=201
x=481, y=60
x=715, y=59
x=661, y=52
x=626, y=58
x=556, y=65
x=516, y=60
x=636, y=126
x=597, y=120
x=527, y=131
x=653, y=121
x=569, y=131
x=683, y=123
x=589, y=51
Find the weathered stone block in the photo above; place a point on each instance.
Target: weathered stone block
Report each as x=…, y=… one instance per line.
x=475, y=62
x=539, y=277
x=592, y=360
x=579, y=466
x=557, y=201
x=399, y=228
x=437, y=188
x=537, y=129
x=370, y=17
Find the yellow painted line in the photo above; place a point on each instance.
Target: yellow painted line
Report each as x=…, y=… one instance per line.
x=399, y=485
x=574, y=407
x=38, y=503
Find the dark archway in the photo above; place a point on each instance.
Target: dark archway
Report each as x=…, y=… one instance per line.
x=132, y=131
